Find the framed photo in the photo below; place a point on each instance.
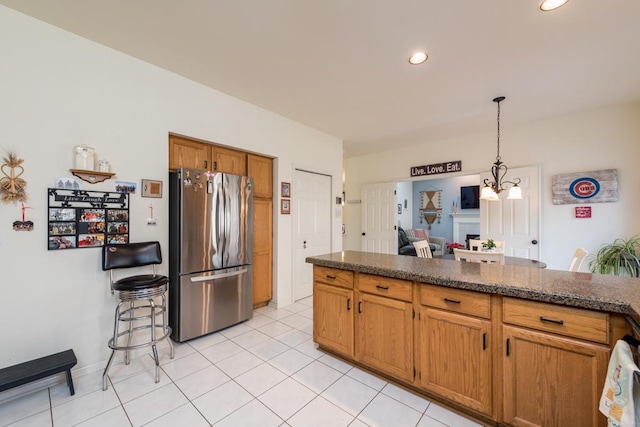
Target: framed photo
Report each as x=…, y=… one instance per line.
x=285, y=207
x=285, y=189
x=151, y=188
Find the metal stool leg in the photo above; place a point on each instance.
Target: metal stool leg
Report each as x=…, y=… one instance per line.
x=165, y=325
x=105, y=383
x=130, y=312
x=152, y=305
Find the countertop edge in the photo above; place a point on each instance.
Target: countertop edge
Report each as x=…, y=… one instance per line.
x=530, y=293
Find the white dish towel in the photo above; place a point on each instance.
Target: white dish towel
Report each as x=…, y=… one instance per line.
x=620, y=401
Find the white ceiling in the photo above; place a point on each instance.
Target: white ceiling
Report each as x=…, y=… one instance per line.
x=341, y=66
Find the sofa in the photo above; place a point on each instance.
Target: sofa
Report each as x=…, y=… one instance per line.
x=406, y=238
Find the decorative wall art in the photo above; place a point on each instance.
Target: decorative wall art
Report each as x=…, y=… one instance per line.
x=285, y=189
x=125, y=187
x=151, y=188
x=85, y=219
x=285, y=207
x=12, y=187
x=430, y=206
x=23, y=225
x=586, y=187
x=67, y=183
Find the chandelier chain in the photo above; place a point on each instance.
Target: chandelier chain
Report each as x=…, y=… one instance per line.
x=498, y=156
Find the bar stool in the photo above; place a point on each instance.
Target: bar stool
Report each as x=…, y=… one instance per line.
x=132, y=289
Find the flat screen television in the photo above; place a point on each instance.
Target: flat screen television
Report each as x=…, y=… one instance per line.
x=470, y=197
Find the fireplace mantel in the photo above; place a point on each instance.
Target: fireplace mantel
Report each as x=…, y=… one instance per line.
x=465, y=223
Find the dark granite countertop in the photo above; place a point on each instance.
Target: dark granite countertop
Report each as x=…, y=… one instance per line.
x=585, y=290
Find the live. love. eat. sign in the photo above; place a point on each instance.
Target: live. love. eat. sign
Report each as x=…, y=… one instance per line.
x=437, y=168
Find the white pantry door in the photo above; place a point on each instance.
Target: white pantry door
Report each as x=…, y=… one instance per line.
x=379, y=231
x=517, y=222
x=311, y=210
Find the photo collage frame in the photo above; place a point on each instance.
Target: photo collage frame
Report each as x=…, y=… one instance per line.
x=87, y=219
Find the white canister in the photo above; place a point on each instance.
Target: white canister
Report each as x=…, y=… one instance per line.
x=103, y=165
x=85, y=157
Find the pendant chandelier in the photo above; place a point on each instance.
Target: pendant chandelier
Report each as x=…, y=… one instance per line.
x=491, y=189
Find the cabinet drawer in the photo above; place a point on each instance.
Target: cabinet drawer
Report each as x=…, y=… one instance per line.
x=456, y=300
x=568, y=321
x=386, y=286
x=333, y=276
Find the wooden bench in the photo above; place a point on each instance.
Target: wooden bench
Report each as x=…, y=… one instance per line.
x=23, y=373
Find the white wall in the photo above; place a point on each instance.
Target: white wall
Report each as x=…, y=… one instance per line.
x=592, y=140
x=58, y=90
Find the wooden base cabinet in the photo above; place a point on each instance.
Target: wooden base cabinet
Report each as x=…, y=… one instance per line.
x=455, y=358
x=333, y=303
x=551, y=380
x=385, y=335
x=333, y=318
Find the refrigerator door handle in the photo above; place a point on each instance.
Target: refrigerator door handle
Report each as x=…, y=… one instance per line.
x=219, y=276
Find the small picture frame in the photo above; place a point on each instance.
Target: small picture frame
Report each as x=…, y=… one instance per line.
x=151, y=188
x=285, y=207
x=285, y=189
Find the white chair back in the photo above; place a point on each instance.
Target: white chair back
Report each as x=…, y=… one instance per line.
x=476, y=245
x=578, y=257
x=479, y=256
x=422, y=249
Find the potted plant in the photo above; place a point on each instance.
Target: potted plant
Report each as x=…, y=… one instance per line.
x=619, y=258
x=489, y=245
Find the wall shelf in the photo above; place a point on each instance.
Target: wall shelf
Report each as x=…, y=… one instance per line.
x=91, y=177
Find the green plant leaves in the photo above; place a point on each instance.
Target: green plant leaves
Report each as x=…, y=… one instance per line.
x=619, y=258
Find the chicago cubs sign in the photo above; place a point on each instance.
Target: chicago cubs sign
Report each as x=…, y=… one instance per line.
x=586, y=187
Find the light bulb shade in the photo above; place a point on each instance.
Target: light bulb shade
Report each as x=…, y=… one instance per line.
x=488, y=193
x=515, y=192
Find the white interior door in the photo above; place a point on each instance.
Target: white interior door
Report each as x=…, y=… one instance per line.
x=517, y=222
x=379, y=233
x=311, y=210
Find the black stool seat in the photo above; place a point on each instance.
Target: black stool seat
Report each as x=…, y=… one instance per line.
x=137, y=306
x=140, y=282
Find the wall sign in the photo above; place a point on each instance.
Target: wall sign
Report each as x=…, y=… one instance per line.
x=437, y=168
x=586, y=187
x=86, y=219
x=583, y=211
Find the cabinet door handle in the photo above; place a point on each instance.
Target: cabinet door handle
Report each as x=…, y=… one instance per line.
x=484, y=341
x=215, y=166
x=348, y=304
x=508, y=342
x=205, y=164
x=452, y=301
x=556, y=321
x=359, y=306
x=330, y=277
x=384, y=288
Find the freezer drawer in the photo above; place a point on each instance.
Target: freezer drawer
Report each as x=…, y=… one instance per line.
x=213, y=300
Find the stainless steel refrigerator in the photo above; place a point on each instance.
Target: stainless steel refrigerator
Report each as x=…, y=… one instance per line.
x=210, y=251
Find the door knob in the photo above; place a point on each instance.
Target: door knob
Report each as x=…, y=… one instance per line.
x=535, y=242
x=364, y=234
x=304, y=245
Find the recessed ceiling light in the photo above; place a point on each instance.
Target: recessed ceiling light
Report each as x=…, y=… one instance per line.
x=547, y=5
x=418, y=58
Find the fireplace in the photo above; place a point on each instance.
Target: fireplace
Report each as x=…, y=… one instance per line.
x=464, y=224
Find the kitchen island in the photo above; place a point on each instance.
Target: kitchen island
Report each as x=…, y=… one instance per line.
x=507, y=345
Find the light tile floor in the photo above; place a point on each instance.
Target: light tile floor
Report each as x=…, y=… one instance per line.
x=263, y=372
